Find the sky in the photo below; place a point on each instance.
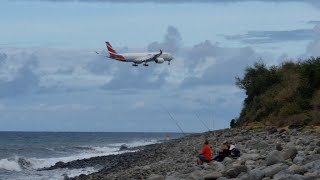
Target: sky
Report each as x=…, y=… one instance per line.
x=51, y=79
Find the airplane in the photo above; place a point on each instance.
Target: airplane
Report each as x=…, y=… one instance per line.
x=138, y=58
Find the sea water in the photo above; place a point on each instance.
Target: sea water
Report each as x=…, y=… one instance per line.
x=22, y=153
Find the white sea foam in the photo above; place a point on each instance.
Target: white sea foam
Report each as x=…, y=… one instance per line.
x=136, y=143
x=20, y=163
x=9, y=165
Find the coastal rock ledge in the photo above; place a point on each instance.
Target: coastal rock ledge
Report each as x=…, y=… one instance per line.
x=261, y=158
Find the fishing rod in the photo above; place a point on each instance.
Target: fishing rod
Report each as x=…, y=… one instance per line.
x=173, y=120
x=201, y=121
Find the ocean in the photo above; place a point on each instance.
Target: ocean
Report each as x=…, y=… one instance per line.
x=22, y=153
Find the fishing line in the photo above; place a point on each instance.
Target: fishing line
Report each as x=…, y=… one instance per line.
x=173, y=120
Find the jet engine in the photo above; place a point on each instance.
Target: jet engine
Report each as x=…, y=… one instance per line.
x=159, y=60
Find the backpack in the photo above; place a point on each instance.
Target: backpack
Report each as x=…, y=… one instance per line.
x=235, y=153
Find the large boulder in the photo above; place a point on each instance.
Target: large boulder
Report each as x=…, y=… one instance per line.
x=217, y=166
x=314, y=165
x=233, y=172
x=270, y=171
x=302, y=160
x=256, y=174
x=296, y=169
x=213, y=175
x=274, y=157
x=290, y=153
x=252, y=144
x=196, y=175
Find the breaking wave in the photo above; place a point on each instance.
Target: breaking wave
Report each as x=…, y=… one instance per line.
x=23, y=163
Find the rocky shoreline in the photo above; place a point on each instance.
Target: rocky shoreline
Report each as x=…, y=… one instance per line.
x=266, y=153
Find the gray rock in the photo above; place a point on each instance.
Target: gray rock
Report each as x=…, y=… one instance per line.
x=235, y=171
x=312, y=175
x=123, y=147
x=274, y=157
x=206, y=166
x=237, y=163
x=256, y=174
x=290, y=177
x=217, y=166
x=306, y=159
x=303, y=141
x=253, y=157
x=310, y=147
x=256, y=145
x=291, y=153
x=240, y=138
x=174, y=176
x=279, y=147
x=213, y=175
x=298, y=159
x=197, y=175
x=147, y=167
x=243, y=176
x=155, y=177
x=314, y=165
x=227, y=160
x=249, y=163
x=317, y=150
x=295, y=169
x=270, y=171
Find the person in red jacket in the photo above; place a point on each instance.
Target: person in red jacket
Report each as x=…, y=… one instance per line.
x=205, y=154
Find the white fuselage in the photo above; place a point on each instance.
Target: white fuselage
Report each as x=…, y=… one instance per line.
x=135, y=57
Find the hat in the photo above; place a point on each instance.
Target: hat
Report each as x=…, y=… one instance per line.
x=225, y=142
x=232, y=147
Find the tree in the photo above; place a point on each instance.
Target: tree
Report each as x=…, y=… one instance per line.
x=233, y=123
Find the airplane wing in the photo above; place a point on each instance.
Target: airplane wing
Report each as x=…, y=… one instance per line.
x=149, y=58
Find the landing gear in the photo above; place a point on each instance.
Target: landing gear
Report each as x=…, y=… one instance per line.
x=145, y=64
x=134, y=64
x=168, y=62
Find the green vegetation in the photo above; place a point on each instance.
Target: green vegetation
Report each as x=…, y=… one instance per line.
x=283, y=95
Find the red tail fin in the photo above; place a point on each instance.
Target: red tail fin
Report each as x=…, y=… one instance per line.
x=113, y=53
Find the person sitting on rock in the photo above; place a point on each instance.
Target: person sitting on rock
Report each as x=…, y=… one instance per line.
x=234, y=152
x=224, y=151
x=205, y=155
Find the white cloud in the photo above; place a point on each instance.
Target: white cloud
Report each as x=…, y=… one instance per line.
x=63, y=83
x=138, y=105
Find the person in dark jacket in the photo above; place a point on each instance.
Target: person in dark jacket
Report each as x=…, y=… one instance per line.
x=234, y=152
x=224, y=151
